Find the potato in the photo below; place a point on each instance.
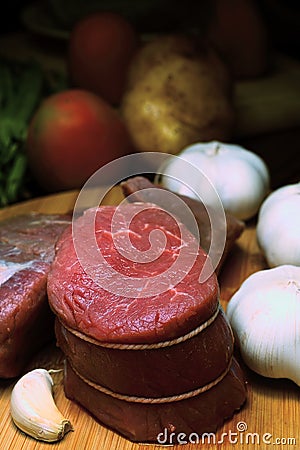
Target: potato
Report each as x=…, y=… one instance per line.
x=179, y=100
x=159, y=49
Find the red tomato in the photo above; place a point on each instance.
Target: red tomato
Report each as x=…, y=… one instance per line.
x=72, y=134
x=100, y=49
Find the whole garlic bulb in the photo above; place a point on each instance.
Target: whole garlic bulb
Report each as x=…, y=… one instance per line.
x=278, y=226
x=240, y=177
x=265, y=317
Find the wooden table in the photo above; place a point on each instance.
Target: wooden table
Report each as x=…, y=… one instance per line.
x=269, y=419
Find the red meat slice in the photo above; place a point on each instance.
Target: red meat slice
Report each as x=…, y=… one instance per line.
x=161, y=423
x=83, y=304
x=26, y=321
x=138, y=189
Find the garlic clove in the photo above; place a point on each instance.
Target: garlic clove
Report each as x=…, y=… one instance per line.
x=265, y=317
x=33, y=409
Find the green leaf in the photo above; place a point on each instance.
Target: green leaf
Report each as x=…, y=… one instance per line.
x=15, y=177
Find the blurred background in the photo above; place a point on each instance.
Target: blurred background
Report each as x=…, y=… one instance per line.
x=259, y=39
x=281, y=17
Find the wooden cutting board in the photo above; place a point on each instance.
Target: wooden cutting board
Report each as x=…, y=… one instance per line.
x=269, y=419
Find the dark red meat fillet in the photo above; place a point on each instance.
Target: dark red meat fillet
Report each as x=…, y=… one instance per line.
x=142, y=422
x=135, y=372
x=176, y=342
x=26, y=321
x=84, y=305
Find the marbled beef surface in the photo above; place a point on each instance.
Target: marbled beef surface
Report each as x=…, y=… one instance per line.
x=81, y=303
x=139, y=189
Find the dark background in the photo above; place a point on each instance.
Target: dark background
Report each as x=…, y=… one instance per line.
x=280, y=148
x=282, y=17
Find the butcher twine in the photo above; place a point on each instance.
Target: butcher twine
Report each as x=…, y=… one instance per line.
x=162, y=344
x=153, y=400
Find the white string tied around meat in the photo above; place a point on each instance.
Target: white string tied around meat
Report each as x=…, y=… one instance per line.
x=155, y=400
x=152, y=400
x=156, y=345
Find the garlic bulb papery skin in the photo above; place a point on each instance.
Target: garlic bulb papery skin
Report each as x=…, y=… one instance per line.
x=278, y=226
x=240, y=177
x=265, y=317
x=33, y=409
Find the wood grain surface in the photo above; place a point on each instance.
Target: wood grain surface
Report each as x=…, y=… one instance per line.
x=269, y=419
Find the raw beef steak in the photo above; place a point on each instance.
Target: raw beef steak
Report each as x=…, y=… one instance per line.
x=138, y=189
x=88, y=307
x=26, y=321
x=145, y=422
x=156, y=356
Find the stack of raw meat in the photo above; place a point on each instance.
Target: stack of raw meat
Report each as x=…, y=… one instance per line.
x=157, y=359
